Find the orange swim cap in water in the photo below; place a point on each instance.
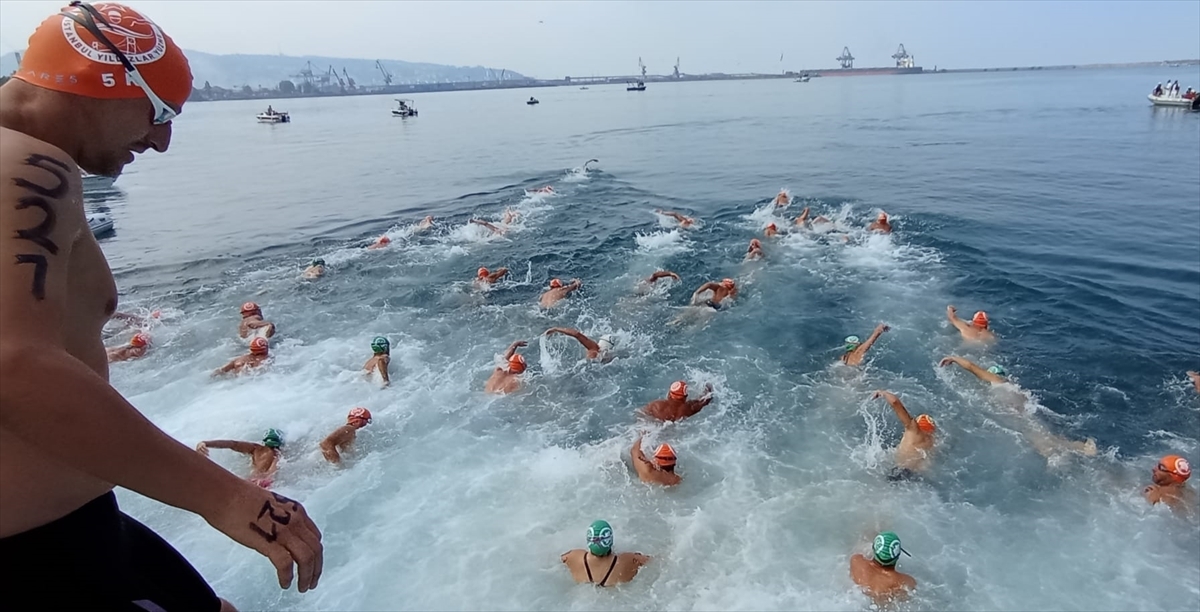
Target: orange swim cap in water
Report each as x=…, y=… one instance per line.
x=482, y=273
x=555, y=283
x=665, y=455
x=755, y=243
x=139, y=340
x=1176, y=466
x=516, y=364
x=359, y=413
x=980, y=319
x=63, y=55
x=250, y=308
x=258, y=346
x=678, y=390
x=925, y=423
x=772, y=227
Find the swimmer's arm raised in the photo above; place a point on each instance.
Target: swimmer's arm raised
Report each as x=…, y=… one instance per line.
x=635, y=452
x=329, y=446
x=971, y=367
x=662, y=274
x=383, y=369
x=901, y=412
x=705, y=287
x=239, y=446
x=803, y=216
x=866, y=346
x=512, y=349
x=577, y=335
x=954, y=320
x=698, y=404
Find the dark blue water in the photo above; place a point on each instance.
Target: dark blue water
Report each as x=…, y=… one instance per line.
x=1060, y=202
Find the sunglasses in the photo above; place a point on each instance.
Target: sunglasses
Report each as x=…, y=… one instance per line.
x=87, y=17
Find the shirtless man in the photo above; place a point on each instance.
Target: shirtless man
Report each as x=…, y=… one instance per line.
x=558, y=291
x=508, y=378
x=977, y=330
x=483, y=276
x=677, y=406
x=771, y=230
x=805, y=221
x=1195, y=376
x=661, y=471
x=856, y=349
x=425, y=223
x=683, y=221
x=380, y=359
x=610, y=569
x=755, y=250
x=600, y=349
x=252, y=321
x=136, y=348
x=380, y=243
x=316, y=269
x=880, y=224
x=342, y=438
x=877, y=576
x=726, y=289
x=257, y=356
x=68, y=438
x=1170, y=484
x=264, y=458
x=916, y=446
x=783, y=199
x=495, y=229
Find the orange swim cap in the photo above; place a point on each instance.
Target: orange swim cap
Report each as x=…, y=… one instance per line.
x=250, y=308
x=258, y=346
x=555, y=283
x=665, y=455
x=980, y=319
x=139, y=340
x=1176, y=466
x=925, y=423
x=516, y=364
x=755, y=243
x=383, y=240
x=772, y=227
x=678, y=390
x=64, y=56
x=359, y=413
x=727, y=283
x=482, y=273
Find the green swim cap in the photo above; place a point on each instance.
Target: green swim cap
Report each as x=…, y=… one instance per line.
x=273, y=439
x=381, y=345
x=998, y=370
x=852, y=343
x=600, y=538
x=887, y=548
x=318, y=262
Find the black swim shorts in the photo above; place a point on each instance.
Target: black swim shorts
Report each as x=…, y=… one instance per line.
x=98, y=558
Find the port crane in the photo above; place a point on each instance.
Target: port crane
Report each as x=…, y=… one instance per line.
x=846, y=59
x=387, y=76
x=903, y=59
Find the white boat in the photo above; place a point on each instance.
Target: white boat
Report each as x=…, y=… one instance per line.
x=803, y=79
x=96, y=182
x=100, y=224
x=273, y=116
x=1170, y=100
x=404, y=108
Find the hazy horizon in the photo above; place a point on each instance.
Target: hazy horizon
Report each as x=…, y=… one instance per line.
x=555, y=39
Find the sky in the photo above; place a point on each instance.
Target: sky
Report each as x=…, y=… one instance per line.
x=556, y=38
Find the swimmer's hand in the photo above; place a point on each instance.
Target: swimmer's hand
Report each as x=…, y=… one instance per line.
x=202, y=448
x=275, y=526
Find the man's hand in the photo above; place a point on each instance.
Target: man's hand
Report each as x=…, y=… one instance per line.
x=951, y=311
x=947, y=361
x=518, y=344
x=276, y=527
x=882, y=328
x=202, y=448
x=708, y=388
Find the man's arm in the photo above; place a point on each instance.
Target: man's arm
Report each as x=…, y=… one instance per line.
x=710, y=286
x=662, y=274
x=698, y=404
x=971, y=367
x=234, y=364
x=576, y=334
x=803, y=216
x=383, y=369
x=487, y=225
x=329, y=446
x=636, y=453
x=512, y=349
x=952, y=316
x=866, y=346
x=1195, y=376
x=574, y=286
x=498, y=274
x=901, y=412
x=246, y=448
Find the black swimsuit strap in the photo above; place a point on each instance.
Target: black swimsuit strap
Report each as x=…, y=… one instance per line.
x=586, y=568
x=610, y=570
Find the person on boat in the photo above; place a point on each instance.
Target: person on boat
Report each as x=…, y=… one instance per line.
x=259, y=351
x=783, y=199
x=485, y=277
x=661, y=471
x=1189, y=94
x=342, y=439
x=880, y=224
x=677, y=406
x=67, y=437
x=507, y=379
x=1170, y=484
x=558, y=291
x=138, y=345
x=380, y=359
x=683, y=221
x=252, y=322
x=856, y=349
x=380, y=243
x=601, y=348
x=264, y=458
x=913, y=455
x=495, y=229
x=316, y=269
x=877, y=576
x=726, y=289
x=1195, y=376
x=977, y=330
x=771, y=230
x=755, y=250
x=611, y=569
x=1158, y=90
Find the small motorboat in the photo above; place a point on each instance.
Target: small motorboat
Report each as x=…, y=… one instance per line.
x=1170, y=101
x=584, y=87
x=273, y=116
x=803, y=78
x=532, y=100
x=404, y=108
x=100, y=224
x=96, y=182
x=639, y=85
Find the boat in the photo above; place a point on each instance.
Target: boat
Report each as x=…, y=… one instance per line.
x=100, y=224
x=96, y=182
x=1170, y=100
x=1195, y=107
x=584, y=87
x=640, y=84
x=404, y=108
x=532, y=100
x=273, y=116
x=803, y=79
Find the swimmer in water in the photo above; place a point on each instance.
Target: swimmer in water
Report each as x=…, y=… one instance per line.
x=683, y=221
x=661, y=471
x=316, y=269
x=771, y=230
x=558, y=291
x=252, y=321
x=138, y=345
x=877, y=576
x=264, y=458
x=259, y=350
x=600, y=349
x=783, y=199
x=1195, y=376
x=483, y=276
x=977, y=330
x=755, y=251
x=132, y=319
x=380, y=360
x=916, y=446
x=611, y=569
x=856, y=349
x=726, y=289
x=507, y=379
x=510, y=215
x=1170, y=484
x=646, y=284
x=880, y=224
x=544, y=190
x=425, y=223
x=677, y=406
x=380, y=243
x=495, y=230
x=1045, y=443
x=342, y=438
x=803, y=219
